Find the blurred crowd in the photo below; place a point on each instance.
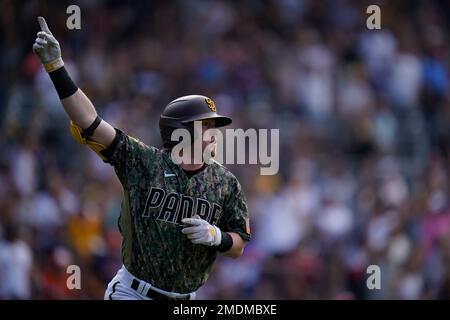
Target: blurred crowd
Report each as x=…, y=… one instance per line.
x=364, y=119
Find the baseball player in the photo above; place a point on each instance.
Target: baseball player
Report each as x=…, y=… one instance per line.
x=174, y=217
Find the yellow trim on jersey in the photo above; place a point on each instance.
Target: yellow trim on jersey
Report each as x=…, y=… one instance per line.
x=76, y=131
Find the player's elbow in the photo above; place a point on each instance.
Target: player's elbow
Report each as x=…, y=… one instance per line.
x=235, y=252
x=238, y=253
x=238, y=246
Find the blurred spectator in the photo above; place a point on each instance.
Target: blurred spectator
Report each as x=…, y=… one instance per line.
x=16, y=260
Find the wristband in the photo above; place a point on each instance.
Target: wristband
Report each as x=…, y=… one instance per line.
x=226, y=243
x=63, y=83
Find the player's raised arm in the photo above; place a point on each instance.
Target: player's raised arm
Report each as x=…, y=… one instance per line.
x=86, y=126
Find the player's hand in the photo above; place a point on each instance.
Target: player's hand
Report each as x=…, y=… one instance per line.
x=200, y=231
x=47, y=48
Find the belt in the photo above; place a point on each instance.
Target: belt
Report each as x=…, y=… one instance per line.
x=155, y=295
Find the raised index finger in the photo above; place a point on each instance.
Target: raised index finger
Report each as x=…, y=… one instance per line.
x=43, y=25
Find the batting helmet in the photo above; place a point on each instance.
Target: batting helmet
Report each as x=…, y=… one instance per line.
x=183, y=111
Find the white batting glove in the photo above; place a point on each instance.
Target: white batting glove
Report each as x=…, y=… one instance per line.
x=47, y=48
x=201, y=232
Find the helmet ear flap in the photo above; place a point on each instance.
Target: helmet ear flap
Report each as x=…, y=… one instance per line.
x=166, y=135
x=168, y=126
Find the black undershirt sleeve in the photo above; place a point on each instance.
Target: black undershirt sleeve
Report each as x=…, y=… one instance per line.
x=108, y=152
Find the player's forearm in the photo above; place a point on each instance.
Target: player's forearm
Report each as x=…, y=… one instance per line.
x=76, y=104
x=237, y=248
x=79, y=109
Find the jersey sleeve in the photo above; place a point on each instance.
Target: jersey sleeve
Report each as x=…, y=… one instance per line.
x=235, y=216
x=130, y=157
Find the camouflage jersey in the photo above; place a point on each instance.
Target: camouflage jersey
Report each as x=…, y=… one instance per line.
x=157, y=196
